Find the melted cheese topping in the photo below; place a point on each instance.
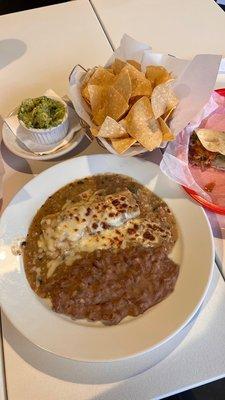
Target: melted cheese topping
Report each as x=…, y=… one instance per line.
x=137, y=230
x=62, y=229
x=108, y=222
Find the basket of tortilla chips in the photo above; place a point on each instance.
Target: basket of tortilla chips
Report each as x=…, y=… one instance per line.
x=131, y=104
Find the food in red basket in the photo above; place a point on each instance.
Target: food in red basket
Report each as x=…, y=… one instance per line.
x=207, y=168
x=206, y=156
x=209, y=187
x=212, y=140
x=201, y=156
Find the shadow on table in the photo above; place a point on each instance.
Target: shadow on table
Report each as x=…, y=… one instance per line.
x=15, y=162
x=97, y=373
x=82, y=372
x=82, y=146
x=11, y=50
x=26, y=166
x=217, y=222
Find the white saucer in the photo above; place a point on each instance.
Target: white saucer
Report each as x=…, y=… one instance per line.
x=17, y=147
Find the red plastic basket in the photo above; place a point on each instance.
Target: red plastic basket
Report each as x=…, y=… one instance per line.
x=207, y=204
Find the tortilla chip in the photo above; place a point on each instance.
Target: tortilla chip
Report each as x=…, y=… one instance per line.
x=106, y=101
x=133, y=100
x=99, y=116
x=123, y=84
x=116, y=105
x=123, y=123
x=135, y=64
x=85, y=94
x=122, y=145
x=163, y=99
x=117, y=65
x=110, y=69
x=166, y=131
x=142, y=89
x=157, y=74
x=94, y=130
x=140, y=85
x=98, y=96
x=142, y=125
x=85, y=78
x=101, y=76
x=212, y=140
x=111, y=129
x=168, y=114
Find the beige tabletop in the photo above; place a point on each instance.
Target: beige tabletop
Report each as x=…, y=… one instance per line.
x=184, y=28
x=40, y=55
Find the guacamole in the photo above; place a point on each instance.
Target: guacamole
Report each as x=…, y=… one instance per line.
x=41, y=112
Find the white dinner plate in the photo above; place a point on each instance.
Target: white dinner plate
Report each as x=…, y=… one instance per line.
x=86, y=341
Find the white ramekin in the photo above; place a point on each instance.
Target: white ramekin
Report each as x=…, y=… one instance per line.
x=51, y=135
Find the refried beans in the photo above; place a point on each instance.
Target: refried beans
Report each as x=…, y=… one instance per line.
x=98, y=249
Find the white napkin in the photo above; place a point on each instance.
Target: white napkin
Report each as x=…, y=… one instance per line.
x=23, y=137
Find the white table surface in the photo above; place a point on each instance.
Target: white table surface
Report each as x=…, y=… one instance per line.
x=182, y=28
x=41, y=46
x=73, y=31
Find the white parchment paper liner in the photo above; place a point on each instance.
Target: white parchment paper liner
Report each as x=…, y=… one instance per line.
x=194, y=83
